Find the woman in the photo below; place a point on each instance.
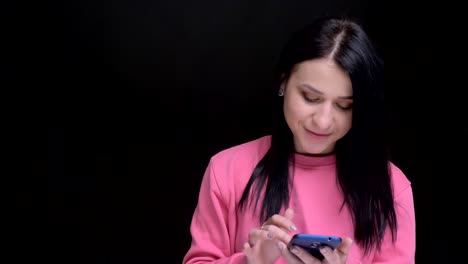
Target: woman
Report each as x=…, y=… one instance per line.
x=324, y=169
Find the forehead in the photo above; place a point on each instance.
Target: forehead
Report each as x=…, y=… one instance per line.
x=324, y=75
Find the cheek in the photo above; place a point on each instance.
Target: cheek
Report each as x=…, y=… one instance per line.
x=295, y=108
x=345, y=122
x=295, y=114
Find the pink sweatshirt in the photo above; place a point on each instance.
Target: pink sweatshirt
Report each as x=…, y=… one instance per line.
x=219, y=229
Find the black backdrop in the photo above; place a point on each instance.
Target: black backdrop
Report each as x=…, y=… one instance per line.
x=123, y=103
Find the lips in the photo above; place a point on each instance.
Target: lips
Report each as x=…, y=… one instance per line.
x=317, y=134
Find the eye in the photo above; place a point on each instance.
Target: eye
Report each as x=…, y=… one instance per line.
x=310, y=98
x=345, y=106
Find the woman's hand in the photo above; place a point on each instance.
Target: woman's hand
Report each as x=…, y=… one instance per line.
x=299, y=256
x=262, y=247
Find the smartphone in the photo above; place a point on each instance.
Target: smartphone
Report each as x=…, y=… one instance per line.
x=313, y=242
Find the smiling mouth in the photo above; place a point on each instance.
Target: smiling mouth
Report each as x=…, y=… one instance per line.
x=318, y=134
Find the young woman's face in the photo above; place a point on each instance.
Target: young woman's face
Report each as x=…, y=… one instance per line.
x=318, y=101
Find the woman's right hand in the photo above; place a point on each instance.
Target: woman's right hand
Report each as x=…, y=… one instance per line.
x=299, y=256
x=262, y=247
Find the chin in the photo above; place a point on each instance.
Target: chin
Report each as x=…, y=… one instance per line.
x=318, y=152
x=316, y=149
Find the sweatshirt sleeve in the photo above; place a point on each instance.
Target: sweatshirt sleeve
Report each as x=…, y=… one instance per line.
x=404, y=249
x=211, y=242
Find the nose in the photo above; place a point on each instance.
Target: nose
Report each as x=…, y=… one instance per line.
x=324, y=117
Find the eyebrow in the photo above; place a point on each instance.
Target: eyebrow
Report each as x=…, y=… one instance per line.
x=310, y=87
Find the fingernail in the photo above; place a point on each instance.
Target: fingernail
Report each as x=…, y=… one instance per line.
x=294, y=250
x=293, y=228
x=324, y=249
x=280, y=246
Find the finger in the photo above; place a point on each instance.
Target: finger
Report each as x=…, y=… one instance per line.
x=262, y=233
x=247, y=250
x=344, y=247
x=256, y=235
x=282, y=222
x=298, y=255
x=289, y=213
x=277, y=233
x=341, y=252
x=329, y=254
x=246, y=246
x=287, y=255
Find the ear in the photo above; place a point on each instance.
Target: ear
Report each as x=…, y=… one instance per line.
x=281, y=89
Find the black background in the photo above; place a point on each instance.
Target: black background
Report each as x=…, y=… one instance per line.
x=121, y=104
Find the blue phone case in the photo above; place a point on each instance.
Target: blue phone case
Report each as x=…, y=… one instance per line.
x=312, y=243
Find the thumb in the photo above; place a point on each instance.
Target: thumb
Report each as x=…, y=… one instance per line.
x=344, y=247
x=289, y=213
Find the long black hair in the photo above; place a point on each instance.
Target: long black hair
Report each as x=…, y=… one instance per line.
x=362, y=158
